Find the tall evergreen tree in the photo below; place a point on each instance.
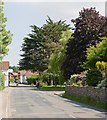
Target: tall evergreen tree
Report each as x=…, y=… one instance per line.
x=33, y=57
x=39, y=45
x=52, y=34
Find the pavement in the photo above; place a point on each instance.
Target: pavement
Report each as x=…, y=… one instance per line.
x=29, y=102
x=4, y=98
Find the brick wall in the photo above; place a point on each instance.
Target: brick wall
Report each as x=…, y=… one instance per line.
x=99, y=94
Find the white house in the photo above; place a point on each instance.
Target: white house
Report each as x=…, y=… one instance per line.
x=24, y=74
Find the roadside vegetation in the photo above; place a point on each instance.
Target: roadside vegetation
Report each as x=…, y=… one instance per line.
x=68, y=56
x=1, y=81
x=53, y=88
x=86, y=100
x=62, y=55
x=5, y=40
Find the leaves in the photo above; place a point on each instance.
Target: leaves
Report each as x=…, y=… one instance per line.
x=96, y=53
x=40, y=44
x=58, y=56
x=89, y=26
x=5, y=35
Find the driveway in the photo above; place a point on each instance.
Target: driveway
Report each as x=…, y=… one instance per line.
x=28, y=102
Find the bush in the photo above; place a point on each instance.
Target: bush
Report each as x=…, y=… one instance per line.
x=33, y=79
x=48, y=77
x=103, y=83
x=78, y=80
x=12, y=80
x=93, y=76
x=73, y=78
x=1, y=81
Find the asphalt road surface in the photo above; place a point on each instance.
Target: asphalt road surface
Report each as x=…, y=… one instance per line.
x=28, y=102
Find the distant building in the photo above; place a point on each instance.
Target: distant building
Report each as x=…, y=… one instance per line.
x=4, y=67
x=24, y=74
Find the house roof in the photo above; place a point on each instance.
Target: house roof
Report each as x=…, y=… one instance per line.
x=4, y=65
x=27, y=73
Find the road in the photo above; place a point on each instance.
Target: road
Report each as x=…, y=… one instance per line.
x=28, y=102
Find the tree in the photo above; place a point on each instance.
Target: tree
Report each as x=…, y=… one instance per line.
x=5, y=35
x=33, y=51
x=57, y=57
x=15, y=68
x=52, y=33
x=40, y=44
x=102, y=67
x=96, y=53
x=5, y=40
x=89, y=26
x=96, y=59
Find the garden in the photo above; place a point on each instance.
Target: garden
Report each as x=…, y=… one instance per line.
x=64, y=55
x=68, y=56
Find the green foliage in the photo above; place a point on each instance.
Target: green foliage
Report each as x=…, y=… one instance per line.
x=12, y=80
x=102, y=66
x=40, y=44
x=53, y=88
x=86, y=100
x=78, y=80
x=57, y=58
x=15, y=68
x=49, y=77
x=53, y=30
x=33, y=79
x=103, y=83
x=73, y=78
x=89, y=26
x=46, y=77
x=5, y=35
x=2, y=80
x=93, y=76
x=97, y=58
x=96, y=53
x=34, y=55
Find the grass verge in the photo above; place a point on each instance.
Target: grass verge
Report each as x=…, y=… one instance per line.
x=86, y=100
x=52, y=88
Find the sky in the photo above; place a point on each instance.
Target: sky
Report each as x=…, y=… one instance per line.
x=21, y=14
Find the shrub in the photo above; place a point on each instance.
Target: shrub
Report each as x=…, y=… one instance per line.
x=103, y=83
x=94, y=76
x=48, y=77
x=33, y=79
x=1, y=81
x=73, y=78
x=78, y=80
x=12, y=80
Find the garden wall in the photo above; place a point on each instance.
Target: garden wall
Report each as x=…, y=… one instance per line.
x=99, y=94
